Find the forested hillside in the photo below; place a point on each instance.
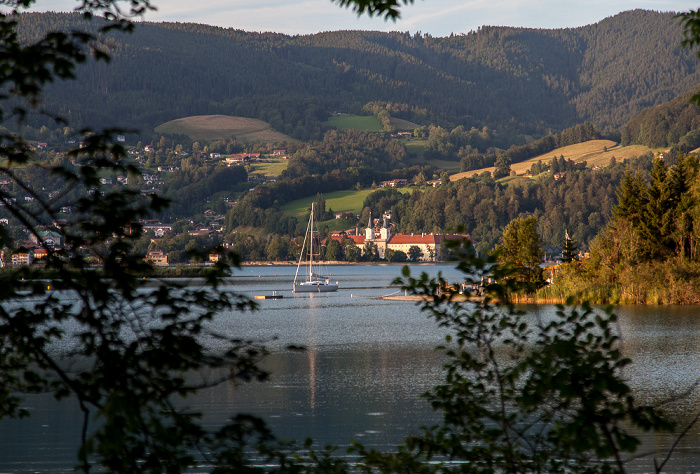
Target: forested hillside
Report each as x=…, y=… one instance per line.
x=518, y=81
x=667, y=124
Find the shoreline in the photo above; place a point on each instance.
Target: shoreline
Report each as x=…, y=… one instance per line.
x=340, y=262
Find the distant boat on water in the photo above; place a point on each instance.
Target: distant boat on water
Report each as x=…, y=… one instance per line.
x=313, y=279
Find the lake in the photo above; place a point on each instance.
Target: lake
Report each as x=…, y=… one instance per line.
x=366, y=364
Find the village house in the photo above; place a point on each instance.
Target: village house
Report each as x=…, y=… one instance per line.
x=22, y=257
x=47, y=238
x=157, y=257
x=394, y=183
x=240, y=158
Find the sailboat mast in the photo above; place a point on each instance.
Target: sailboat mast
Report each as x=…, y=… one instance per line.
x=311, y=245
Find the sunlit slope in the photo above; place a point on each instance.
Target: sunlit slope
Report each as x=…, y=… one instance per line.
x=223, y=127
x=593, y=152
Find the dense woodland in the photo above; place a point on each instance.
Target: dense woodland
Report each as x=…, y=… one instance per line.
x=648, y=253
x=520, y=82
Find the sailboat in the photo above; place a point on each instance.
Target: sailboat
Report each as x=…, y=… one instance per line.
x=314, y=280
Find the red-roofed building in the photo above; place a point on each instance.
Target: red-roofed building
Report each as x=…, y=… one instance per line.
x=430, y=245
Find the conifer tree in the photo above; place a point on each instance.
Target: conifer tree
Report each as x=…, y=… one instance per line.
x=632, y=199
x=655, y=224
x=569, y=253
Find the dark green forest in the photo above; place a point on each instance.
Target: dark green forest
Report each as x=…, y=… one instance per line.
x=520, y=82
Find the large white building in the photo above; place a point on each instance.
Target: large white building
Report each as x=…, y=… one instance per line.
x=429, y=244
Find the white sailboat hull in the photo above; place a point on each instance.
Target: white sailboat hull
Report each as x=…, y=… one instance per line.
x=315, y=287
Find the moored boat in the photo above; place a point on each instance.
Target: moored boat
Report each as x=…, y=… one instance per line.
x=315, y=281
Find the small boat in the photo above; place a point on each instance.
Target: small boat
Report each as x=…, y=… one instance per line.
x=315, y=281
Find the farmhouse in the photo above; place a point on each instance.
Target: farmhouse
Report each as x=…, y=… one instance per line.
x=395, y=183
x=239, y=158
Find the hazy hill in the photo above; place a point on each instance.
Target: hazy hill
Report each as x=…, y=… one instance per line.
x=515, y=80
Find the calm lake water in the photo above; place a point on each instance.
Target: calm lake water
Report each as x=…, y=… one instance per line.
x=367, y=362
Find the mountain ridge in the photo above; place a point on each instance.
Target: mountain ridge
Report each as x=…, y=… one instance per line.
x=518, y=80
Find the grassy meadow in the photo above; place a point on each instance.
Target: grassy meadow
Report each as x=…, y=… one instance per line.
x=368, y=123
x=268, y=167
x=593, y=152
x=222, y=127
x=340, y=201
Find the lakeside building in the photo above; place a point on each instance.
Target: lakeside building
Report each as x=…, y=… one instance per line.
x=430, y=245
x=157, y=257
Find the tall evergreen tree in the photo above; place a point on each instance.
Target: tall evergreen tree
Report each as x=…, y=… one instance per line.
x=656, y=223
x=632, y=199
x=569, y=253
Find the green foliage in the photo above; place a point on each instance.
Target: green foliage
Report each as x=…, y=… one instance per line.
x=414, y=253
x=395, y=256
x=665, y=125
x=502, y=167
x=521, y=247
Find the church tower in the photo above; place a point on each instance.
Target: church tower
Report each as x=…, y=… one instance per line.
x=369, y=231
x=385, y=232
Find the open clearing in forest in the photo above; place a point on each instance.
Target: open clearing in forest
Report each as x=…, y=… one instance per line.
x=223, y=127
x=349, y=200
x=368, y=123
x=593, y=152
x=268, y=167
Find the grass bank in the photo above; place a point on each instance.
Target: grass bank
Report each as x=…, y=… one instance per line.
x=673, y=282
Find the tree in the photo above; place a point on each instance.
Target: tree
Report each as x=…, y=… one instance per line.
x=333, y=251
x=371, y=252
x=521, y=246
x=631, y=198
x=414, y=253
x=395, y=256
x=353, y=253
x=569, y=253
x=502, y=167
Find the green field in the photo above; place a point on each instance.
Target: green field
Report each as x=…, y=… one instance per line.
x=416, y=147
x=223, y=127
x=269, y=167
x=367, y=123
x=339, y=201
x=401, y=124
